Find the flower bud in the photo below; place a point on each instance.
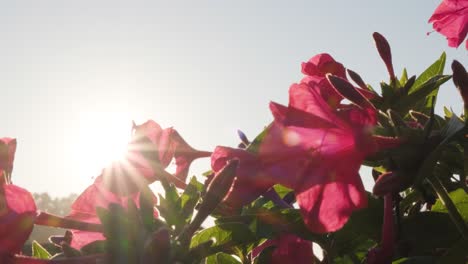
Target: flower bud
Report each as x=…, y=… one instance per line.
x=391, y=182
x=243, y=137
x=408, y=84
x=157, y=247
x=356, y=78
x=460, y=79
x=385, y=53
x=220, y=185
x=348, y=91
x=216, y=191
x=384, y=252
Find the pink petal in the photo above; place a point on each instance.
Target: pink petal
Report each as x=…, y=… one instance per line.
x=292, y=250
x=7, y=154
x=305, y=98
x=251, y=181
x=84, y=209
x=321, y=64
x=17, y=213
x=451, y=20
x=184, y=155
x=166, y=146
x=149, y=129
x=327, y=205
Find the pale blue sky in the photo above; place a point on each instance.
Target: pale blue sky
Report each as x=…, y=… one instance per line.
x=205, y=67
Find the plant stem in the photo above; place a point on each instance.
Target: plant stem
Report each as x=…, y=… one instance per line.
x=451, y=208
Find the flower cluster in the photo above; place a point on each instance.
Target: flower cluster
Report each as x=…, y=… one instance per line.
x=296, y=183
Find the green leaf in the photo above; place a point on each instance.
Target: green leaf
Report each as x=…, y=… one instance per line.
x=410, y=198
x=39, y=252
x=221, y=258
x=281, y=190
x=388, y=93
x=437, y=68
x=95, y=247
x=255, y=144
x=448, y=113
x=456, y=254
x=453, y=126
x=361, y=231
x=188, y=200
x=169, y=207
x=425, y=231
x=416, y=260
x=460, y=199
x=146, y=208
x=404, y=77
x=104, y=215
x=423, y=92
x=230, y=234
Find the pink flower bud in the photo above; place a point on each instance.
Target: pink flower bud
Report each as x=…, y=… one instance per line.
x=460, y=79
x=391, y=182
x=385, y=53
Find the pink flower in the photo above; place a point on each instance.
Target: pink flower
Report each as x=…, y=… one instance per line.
x=289, y=249
x=316, y=69
x=451, y=20
x=17, y=207
x=321, y=151
x=149, y=154
x=314, y=149
x=84, y=210
x=17, y=213
x=165, y=145
x=251, y=181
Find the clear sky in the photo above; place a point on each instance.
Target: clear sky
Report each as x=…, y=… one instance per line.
x=73, y=74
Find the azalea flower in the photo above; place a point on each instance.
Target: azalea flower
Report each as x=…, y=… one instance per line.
x=314, y=149
x=288, y=249
x=17, y=206
x=451, y=20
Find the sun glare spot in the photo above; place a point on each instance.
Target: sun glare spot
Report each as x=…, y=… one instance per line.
x=291, y=138
x=102, y=139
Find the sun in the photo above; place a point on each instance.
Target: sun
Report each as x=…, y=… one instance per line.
x=102, y=139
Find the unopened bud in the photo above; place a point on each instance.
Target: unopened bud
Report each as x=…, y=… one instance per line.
x=348, y=91
x=460, y=79
x=356, y=78
x=57, y=240
x=409, y=84
x=215, y=193
x=243, y=137
x=391, y=182
x=384, y=252
x=221, y=183
x=157, y=247
x=385, y=52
